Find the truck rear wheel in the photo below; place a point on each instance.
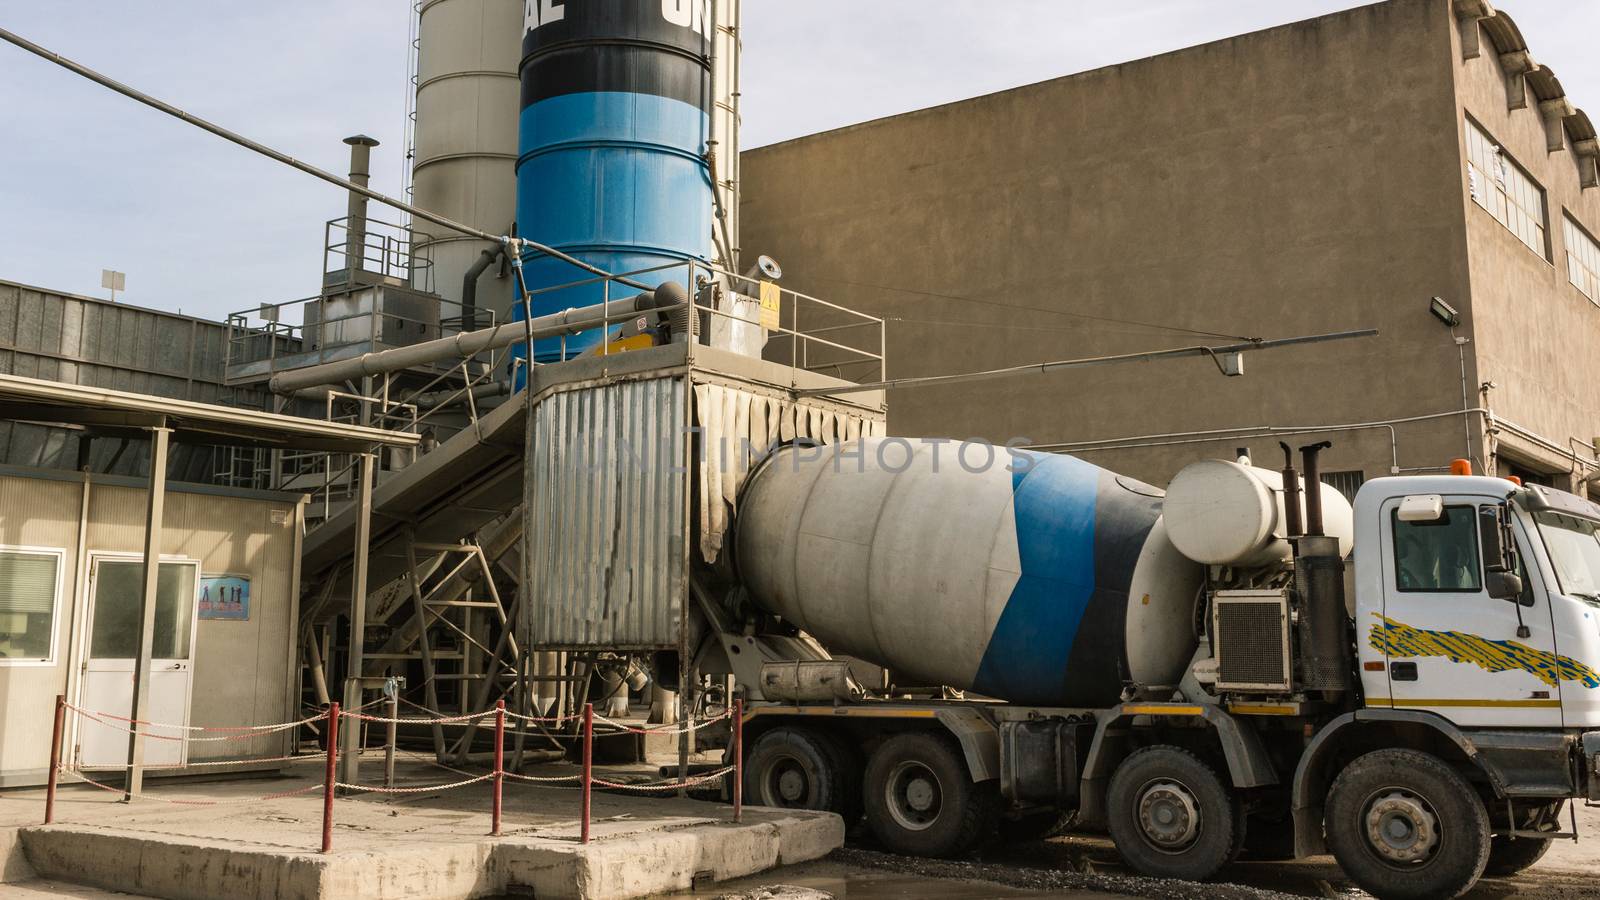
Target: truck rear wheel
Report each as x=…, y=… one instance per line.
x=921, y=799
x=798, y=768
x=1508, y=856
x=1405, y=825
x=1172, y=816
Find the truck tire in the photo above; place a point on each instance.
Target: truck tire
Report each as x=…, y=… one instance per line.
x=1404, y=825
x=921, y=799
x=1172, y=816
x=1507, y=857
x=798, y=768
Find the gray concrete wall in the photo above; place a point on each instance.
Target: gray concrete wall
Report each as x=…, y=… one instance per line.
x=1298, y=180
x=1534, y=332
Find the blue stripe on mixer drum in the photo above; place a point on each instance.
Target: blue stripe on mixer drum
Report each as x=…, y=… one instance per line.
x=1028, y=654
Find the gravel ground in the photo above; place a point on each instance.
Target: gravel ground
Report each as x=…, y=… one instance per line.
x=1055, y=879
x=1087, y=866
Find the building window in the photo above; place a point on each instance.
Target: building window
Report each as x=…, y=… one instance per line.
x=1346, y=483
x=1439, y=556
x=30, y=593
x=1583, y=260
x=1505, y=191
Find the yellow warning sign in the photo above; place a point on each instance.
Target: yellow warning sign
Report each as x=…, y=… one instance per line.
x=771, y=305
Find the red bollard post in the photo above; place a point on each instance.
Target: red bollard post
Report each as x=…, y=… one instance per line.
x=328, y=777
x=499, y=760
x=588, y=765
x=738, y=759
x=55, y=760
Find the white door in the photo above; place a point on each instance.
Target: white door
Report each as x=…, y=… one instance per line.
x=1449, y=647
x=115, y=584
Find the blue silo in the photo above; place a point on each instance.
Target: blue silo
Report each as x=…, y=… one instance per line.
x=611, y=166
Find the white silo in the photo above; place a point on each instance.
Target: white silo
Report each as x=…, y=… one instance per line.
x=466, y=138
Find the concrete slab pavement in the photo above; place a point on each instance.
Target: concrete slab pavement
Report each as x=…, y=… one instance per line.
x=427, y=844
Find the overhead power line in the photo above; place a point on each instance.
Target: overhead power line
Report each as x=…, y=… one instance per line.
x=286, y=159
x=1044, y=309
x=1086, y=362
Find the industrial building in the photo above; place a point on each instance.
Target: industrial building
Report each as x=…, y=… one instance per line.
x=1333, y=174
x=558, y=446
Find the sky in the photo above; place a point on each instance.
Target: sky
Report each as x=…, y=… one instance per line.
x=90, y=180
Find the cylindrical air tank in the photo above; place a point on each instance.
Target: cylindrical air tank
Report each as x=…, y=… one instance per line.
x=1226, y=513
x=1035, y=578
x=611, y=168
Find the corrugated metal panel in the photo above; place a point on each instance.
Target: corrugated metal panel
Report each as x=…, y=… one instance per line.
x=739, y=428
x=605, y=497
x=80, y=340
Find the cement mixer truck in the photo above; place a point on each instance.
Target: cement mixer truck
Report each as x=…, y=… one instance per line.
x=1243, y=660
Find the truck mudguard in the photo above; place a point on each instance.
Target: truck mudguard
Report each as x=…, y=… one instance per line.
x=1516, y=764
x=979, y=738
x=1248, y=763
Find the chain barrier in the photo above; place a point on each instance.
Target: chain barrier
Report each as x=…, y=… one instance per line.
x=690, y=728
x=236, y=801
x=585, y=780
x=544, y=779
x=420, y=789
x=666, y=785
x=253, y=730
x=418, y=720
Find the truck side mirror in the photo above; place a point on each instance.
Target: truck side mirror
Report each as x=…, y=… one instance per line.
x=1499, y=554
x=1503, y=586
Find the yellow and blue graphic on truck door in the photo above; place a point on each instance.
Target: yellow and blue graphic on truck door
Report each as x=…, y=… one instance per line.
x=1059, y=640
x=1397, y=639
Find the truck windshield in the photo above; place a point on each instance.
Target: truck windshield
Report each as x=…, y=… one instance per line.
x=1574, y=551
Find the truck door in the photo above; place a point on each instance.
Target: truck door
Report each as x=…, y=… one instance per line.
x=1448, y=647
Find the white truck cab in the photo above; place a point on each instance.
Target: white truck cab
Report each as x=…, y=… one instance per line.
x=1431, y=629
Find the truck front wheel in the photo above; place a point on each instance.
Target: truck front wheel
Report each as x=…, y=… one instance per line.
x=921, y=799
x=1171, y=816
x=1405, y=825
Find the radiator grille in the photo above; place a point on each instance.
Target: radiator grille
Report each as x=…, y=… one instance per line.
x=1252, y=642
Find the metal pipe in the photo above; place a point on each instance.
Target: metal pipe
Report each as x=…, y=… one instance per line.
x=486, y=391
x=1291, y=494
x=1313, y=473
x=390, y=731
x=469, y=285
x=1083, y=363
x=353, y=694
x=355, y=240
x=588, y=767
x=155, y=505
x=55, y=760
x=738, y=759
x=468, y=344
x=415, y=211
x=499, y=760
x=328, y=779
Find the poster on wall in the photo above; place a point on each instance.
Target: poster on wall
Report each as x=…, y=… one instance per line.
x=225, y=597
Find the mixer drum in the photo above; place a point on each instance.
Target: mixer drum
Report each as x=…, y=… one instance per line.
x=1038, y=579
